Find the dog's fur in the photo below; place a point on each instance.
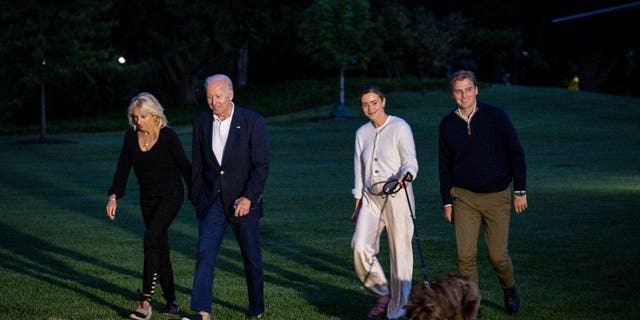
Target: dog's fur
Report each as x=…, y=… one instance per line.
x=449, y=297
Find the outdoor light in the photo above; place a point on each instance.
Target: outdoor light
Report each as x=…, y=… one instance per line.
x=122, y=60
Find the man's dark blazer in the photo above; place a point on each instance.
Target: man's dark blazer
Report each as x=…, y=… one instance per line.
x=244, y=168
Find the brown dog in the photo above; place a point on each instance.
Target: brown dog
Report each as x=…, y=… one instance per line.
x=450, y=297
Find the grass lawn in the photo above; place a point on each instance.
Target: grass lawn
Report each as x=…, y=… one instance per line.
x=576, y=250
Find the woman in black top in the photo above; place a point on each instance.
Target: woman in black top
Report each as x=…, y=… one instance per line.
x=160, y=164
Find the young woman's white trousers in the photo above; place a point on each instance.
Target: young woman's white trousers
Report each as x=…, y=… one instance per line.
x=396, y=220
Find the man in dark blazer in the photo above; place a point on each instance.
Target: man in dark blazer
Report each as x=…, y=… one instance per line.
x=230, y=163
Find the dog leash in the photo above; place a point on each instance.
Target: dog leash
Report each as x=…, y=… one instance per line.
x=392, y=187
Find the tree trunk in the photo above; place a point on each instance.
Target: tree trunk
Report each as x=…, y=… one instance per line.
x=341, y=85
x=180, y=78
x=43, y=105
x=189, y=91
x=243, y=64
x=341, y=110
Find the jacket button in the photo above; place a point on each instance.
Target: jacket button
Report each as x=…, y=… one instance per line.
x=221, y=172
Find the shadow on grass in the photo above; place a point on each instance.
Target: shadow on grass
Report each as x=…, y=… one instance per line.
x=45, y=141
x=49, y=262
x=39, y=259
x=327, y=297
x=492, y=305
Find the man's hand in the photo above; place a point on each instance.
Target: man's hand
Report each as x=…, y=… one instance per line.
x=448, y=214
x=242, y=207
x=520, y=203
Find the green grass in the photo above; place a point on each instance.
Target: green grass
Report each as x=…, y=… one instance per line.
x=576, y=250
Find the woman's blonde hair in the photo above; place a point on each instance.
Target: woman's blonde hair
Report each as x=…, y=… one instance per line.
x=148, y=103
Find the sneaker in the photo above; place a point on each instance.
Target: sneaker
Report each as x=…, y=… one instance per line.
x=511, y=301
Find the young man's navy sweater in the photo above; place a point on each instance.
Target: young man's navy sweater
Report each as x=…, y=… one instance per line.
x=483, y=158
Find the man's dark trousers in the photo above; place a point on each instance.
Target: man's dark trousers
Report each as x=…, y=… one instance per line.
x=211, y=231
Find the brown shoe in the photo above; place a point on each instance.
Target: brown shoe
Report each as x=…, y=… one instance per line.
x=380, y=309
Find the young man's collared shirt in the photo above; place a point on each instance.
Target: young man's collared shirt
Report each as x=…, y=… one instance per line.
x=220, y=133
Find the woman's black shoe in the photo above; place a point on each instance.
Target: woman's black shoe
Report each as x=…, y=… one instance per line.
x=171, y=308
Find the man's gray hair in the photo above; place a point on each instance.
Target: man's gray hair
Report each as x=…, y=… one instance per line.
x=219, y=76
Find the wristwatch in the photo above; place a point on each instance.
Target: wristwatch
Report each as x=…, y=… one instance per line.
x=520, y=193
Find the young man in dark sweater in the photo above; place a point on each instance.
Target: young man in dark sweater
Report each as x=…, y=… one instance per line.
x=479, y=157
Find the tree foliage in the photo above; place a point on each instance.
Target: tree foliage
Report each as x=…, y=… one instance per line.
x=337, y=34
x=436, y=42
x=59, y=42
x=185, y=41
x=171, y=46
x=177, y=40
x=396, y=35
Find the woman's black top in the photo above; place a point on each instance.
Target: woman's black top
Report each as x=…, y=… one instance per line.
x=159, y=170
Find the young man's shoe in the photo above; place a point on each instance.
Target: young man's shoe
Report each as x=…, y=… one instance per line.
x=511, y=301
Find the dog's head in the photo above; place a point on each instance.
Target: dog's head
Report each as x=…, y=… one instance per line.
x=423, y=303
x=446, y=297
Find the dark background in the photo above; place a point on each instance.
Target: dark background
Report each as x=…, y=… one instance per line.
x=171, y=46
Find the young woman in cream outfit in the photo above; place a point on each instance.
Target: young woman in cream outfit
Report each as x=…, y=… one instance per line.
x=384, y=151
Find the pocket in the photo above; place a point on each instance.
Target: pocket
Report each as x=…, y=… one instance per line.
x=376, y=200
x=506, y=197
x=453, y=193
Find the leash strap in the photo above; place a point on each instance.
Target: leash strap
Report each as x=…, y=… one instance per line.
x=425, y=276
x=392, y=187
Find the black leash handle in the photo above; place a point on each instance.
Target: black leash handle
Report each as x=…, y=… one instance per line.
x=408, y=177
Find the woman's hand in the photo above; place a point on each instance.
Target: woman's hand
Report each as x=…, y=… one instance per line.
x=112, y=205
x=356, y=212
x=354, y=217
x=406, y=178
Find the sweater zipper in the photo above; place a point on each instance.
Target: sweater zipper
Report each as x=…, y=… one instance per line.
x=466, y=119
